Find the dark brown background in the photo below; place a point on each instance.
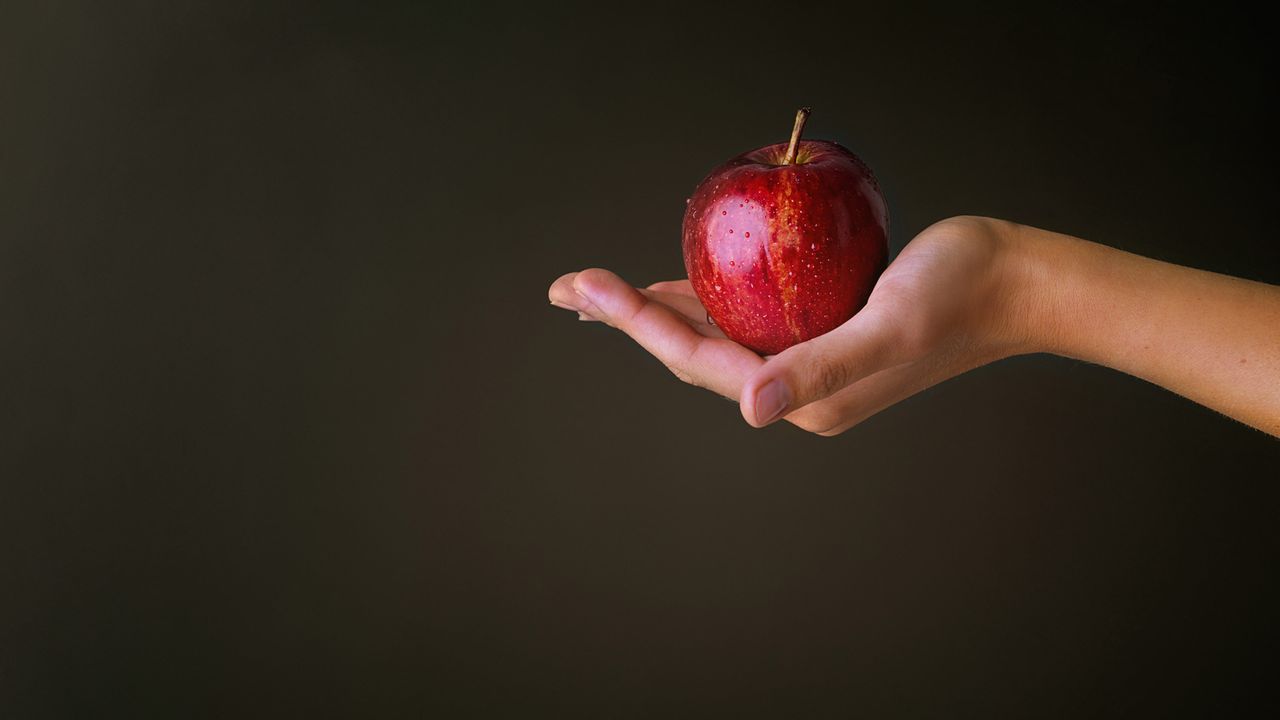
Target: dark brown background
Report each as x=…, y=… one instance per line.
x=287, y=427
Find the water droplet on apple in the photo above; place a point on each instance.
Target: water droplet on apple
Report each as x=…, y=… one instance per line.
x=746, y=234
x=732, y=264
x=730, y=231
x=724, y=212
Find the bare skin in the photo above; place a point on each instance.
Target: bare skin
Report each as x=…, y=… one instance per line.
x=966, y=292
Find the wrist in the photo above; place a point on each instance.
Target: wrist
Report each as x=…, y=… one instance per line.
x=1033, y=267
x=1069, y=297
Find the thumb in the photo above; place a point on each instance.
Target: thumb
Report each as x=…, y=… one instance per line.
x=819, y=368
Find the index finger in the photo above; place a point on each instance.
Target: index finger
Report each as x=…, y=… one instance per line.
x=717, y=364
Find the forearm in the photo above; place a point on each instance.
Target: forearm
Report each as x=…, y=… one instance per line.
x=1211, y=338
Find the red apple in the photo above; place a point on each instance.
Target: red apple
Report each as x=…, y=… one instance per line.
x=784, y=243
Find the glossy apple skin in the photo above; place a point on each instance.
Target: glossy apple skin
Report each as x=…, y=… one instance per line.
x=779, y=254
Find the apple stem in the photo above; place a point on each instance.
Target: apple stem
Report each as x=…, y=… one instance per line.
x=802, y=115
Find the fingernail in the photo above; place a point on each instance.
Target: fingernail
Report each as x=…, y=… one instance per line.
x=585, y=317
x=564, y=306
x=771, y=401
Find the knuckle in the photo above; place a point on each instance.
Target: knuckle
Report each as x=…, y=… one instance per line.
x=962, y=226
x=829, y=375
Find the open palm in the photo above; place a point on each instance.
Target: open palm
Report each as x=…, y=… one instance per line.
x=932, y=315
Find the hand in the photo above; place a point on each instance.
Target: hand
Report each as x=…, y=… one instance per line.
x=939, y=310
